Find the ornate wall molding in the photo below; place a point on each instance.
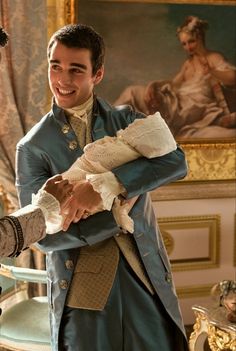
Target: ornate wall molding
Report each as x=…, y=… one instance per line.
x=195, y=190
x=192, y=291
x=210, y=161
x=201, y=238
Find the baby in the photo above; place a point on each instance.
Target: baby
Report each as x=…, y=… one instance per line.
x=148, y=137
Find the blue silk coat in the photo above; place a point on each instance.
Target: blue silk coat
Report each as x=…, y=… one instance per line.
x=46, y=150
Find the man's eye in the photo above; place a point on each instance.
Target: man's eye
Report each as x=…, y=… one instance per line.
x=76, y=70
x=55, y=67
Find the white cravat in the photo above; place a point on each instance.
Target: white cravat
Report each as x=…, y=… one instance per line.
x=82, y=111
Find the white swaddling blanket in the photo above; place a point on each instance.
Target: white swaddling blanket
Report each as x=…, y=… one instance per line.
x=148, y=137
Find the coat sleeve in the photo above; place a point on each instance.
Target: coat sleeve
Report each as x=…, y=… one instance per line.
x=21, y=229
x=143, y=175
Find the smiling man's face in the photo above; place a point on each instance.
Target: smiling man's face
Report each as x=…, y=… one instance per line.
x=70, y=75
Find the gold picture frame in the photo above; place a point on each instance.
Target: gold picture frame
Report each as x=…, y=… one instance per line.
x=60, y=13
x=211, y=162
x=180, y=2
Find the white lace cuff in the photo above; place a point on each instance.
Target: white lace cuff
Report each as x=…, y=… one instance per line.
x=107, y=185
x=51, y=210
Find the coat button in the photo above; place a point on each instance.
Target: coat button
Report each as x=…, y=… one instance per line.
x=63, y=284
x=73, y=144
x=168, y=278
x=69, y=264
x=65, y=128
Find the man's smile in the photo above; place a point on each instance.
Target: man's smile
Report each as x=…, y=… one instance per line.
x=65, y=92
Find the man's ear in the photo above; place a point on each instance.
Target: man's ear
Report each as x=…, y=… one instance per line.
x=99, y=75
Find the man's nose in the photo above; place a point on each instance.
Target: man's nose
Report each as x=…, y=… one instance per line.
x=64, y=78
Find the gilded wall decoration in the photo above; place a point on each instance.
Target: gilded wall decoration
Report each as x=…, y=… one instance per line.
x=201, y=238
x=211, y=161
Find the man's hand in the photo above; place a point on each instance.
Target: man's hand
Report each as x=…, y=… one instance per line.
x=60, y=188
x=85, y=200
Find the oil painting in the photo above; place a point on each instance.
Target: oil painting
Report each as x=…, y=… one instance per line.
x=178, y=58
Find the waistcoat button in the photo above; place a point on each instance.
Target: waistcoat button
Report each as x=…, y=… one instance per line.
x=63, y=284
x=65, y=128
x=69, y=264
x=73, y=144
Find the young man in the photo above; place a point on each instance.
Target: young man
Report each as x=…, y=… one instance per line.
x=27, y=225
x=108, y=291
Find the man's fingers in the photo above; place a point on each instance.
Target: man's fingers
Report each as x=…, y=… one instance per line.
x=86, y=214
x=78, y=216
x=67, y=188
x=54, y=179
x=68, y=220
x=74, y=215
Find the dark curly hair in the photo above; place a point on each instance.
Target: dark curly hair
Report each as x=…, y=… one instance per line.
x=3, y=37
x=81, y=36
